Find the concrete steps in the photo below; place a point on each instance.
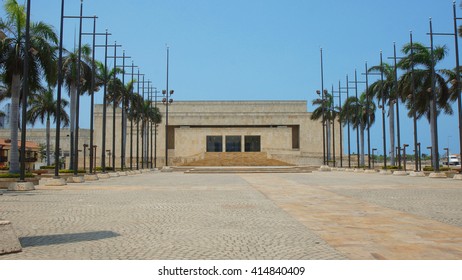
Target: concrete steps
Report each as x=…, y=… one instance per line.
x=246, y=169
x=237, y=159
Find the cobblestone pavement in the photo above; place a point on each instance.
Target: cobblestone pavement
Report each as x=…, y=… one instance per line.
x=157, y=216
x=371, y=216
x=320, y=215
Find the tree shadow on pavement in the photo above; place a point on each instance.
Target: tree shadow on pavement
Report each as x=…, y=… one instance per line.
x=44, y=240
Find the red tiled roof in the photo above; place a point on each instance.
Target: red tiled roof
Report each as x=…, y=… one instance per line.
x=6, y=143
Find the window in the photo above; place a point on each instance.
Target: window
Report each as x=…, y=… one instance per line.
x=233, y=143
x=252, y=143
x=214, y=144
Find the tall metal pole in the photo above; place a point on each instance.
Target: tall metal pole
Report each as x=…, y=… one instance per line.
x=123, y=133
x=103, y=141
x=143, y=131
x=77, y=99
x=348, y=126
x=333, y=125
x=166, y=114
x=114, y=108
x=22, y=174
x=323, y=117
x=433, y=110
x=131, y=123
x=92, y=93
x=155, y=131
x=340, y=122
x=150, y=105
x=459, y=102
x=58, y=99
x=138, y=130
x=383, y=114
x=414, y=117
x=397, y=105
x=368, y=100
x=357, y=114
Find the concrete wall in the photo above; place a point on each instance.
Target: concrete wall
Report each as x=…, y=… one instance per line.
x=192, y=121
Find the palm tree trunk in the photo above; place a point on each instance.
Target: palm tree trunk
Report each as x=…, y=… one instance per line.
x=14, y=118
x=391, y=112
x=48, y=140
x=73, y=94
x=361, y=138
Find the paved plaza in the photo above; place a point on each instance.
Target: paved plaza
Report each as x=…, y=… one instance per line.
x=173, y=215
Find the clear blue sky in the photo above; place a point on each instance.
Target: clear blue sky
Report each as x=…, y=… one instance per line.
x=261, y=49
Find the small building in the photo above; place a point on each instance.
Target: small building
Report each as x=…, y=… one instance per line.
x=32, y=153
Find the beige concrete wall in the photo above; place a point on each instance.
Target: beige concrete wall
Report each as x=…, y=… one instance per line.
x=191, y=142
x=241, y=118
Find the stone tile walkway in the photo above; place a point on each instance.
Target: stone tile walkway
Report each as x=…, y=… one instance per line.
x=332, y=215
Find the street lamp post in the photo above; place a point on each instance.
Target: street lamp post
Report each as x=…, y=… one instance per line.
x=419, y=153
x=340, y=121
x=94, y=159
x=355, y=82
x=323, y=116
x=103, y=141
x=109, y=157
x=395, y=85
x=85, y=146
x=123, y=128
x=131, y=119
x=92, y=89
x=457, y=81
x=114, y=103
x=373, y=158
x=447, y=154
x=347, y=88
x=166, y=100
x=414, y=115
x=431, y=155
x=383, y=114
x=155, y=129
x=404, y=154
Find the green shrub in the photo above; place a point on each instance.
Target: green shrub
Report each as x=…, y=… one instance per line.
x=391, y=167
x=99, y=168
x=14, y=175
x=429, y=168
x=66, y=171
x=47, y=167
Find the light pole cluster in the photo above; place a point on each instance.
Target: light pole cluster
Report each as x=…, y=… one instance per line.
x=393, y=101
x=91, y=86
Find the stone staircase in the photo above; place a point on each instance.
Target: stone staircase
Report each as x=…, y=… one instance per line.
x=237, y=159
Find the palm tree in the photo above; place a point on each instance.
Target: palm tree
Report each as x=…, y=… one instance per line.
x=43, y=106
x=386, y=91
x=134, y=115
x=361, y=115
x=147, y=114
x=42, y=60
x=325, y=108
x=71, y=65
x=422, y=78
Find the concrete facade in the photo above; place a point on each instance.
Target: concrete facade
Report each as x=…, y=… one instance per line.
x=284, y=127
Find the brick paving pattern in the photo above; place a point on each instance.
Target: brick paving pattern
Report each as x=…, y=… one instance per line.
x=157, y=216
x=319, y=215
